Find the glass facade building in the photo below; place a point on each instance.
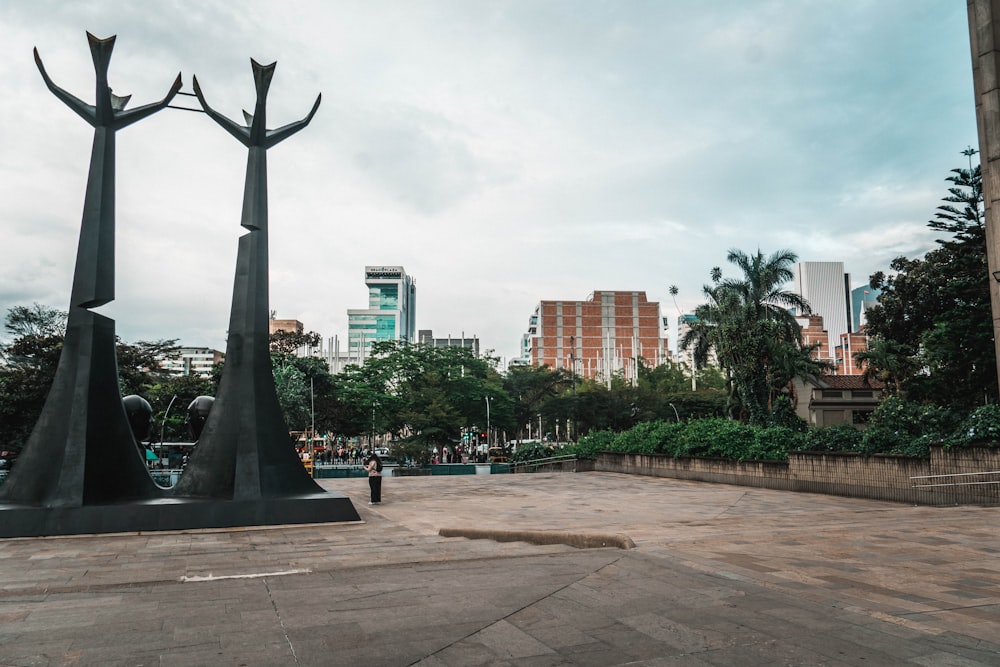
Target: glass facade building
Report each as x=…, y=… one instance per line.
x=390, y=315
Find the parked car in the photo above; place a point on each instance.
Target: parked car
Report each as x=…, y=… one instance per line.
x=383, y=453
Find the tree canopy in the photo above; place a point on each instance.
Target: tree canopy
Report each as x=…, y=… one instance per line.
x=420, y=392
x=748, y=323
x=932, y=326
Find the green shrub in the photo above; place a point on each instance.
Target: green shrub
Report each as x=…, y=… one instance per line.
x=714, y=437
x=531, y=451
x=783, y=414
x=837, y=438
x=588, y=445
x=647, y=437
x=774, y=442
x=898, y=426
x=980, y=427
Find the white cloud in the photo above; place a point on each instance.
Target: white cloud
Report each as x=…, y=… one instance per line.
x=504, y=153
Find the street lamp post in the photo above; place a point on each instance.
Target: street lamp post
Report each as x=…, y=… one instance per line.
x=312, y=427
x=572, y=363
x=487, y=423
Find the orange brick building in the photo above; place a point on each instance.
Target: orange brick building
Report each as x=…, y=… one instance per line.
x=602, y=336
x=850, y=344
x=288, y=326
x=814, y=333
x=841, y=358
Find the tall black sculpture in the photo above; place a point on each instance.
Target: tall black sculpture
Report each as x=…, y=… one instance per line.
x=82, y=451
x=244, y=451
x=81, y=471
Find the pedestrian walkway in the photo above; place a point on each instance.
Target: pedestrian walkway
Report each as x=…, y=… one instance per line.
x=719, y=575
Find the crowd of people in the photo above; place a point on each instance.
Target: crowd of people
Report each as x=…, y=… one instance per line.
x=343, y=456
x=359, y=455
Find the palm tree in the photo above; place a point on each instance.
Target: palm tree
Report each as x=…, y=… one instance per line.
x=788, y=362
x=887, y=361
x=743, y=321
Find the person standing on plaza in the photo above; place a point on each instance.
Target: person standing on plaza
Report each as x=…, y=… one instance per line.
x=374, y=468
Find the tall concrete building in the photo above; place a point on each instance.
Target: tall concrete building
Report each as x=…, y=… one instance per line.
x=426, y=337
x=828, y=290
x=192, y=361
x=602, y=336
x=390, y=315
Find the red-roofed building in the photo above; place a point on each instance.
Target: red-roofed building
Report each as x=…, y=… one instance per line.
x=838, y=399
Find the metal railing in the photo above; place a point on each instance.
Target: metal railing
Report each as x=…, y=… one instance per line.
x=966, y=487
x=537, y=463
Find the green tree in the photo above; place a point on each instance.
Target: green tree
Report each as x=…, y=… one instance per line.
x=887, y=361
x=938, y=307
x=424, y=393
x=287, y=343
x=179, y=390
x=743, y=320
x=35, y=320
x=293, y=394
x=533, y=390
x=788, y=361
x=31, y=359
x=139, y=364
x=29, y=365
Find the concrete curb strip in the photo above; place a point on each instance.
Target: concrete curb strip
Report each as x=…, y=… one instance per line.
x=578, y=540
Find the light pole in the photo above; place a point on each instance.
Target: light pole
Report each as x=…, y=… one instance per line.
x=312, y=427
x=572, y=363
x=163, y=424
x=487, y=423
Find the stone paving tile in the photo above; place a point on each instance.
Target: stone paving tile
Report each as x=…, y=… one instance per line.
x=721, y=575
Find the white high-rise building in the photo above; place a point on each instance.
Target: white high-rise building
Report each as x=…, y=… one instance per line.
x=828, y=290
x=391, y=312
x=192, y=361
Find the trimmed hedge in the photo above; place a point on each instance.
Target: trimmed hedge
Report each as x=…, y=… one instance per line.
x=896, y=427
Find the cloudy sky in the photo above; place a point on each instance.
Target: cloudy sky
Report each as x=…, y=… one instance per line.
x=502, y=151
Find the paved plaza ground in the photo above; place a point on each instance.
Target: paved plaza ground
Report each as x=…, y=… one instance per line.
x=720, y=575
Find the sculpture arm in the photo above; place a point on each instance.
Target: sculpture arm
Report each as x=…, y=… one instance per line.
x=241, y=133
x=282, y=133
x=82, y=109
x=126, y=118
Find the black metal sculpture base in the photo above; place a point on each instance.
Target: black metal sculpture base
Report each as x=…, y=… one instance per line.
x=175, y=514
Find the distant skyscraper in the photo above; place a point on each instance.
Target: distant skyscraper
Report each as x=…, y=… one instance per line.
x=827, y=289
x=862, y=299
x=391, y=311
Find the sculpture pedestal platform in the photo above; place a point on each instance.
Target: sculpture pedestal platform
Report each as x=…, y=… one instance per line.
x=174, y=514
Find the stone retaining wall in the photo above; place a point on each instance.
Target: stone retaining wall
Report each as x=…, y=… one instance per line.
x=878, y=477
